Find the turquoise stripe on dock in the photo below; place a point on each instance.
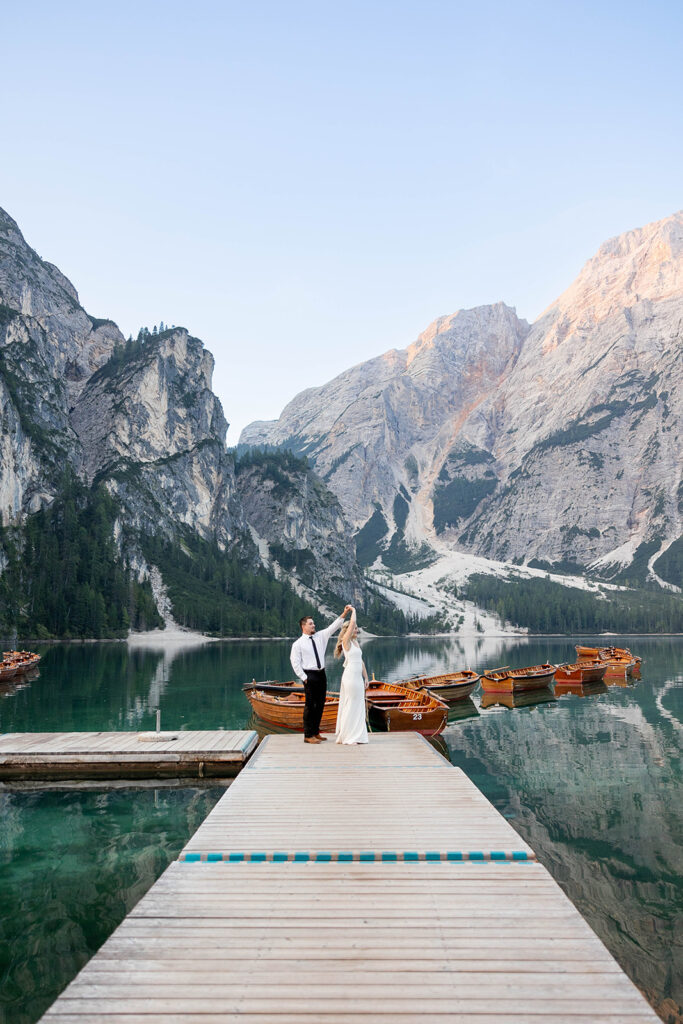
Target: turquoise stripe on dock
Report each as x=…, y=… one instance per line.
x=364, y=856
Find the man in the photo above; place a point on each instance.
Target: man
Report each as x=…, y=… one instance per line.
x=308, y=662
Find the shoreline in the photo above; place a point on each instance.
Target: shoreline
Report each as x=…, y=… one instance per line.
x=180, y=637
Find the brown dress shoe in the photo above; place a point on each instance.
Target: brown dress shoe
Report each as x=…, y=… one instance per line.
x=323, y=739
x=311, y=739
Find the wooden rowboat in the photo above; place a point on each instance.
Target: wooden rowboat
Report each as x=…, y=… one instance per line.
x=274, y=686
x=581, y=672
x=449, y=687
x=591, y=653
x=288, y=710
x=618, y=664
x=17, y=663
x=595, y=652
x=518, y=680
x=399, y=708
x=616, y=657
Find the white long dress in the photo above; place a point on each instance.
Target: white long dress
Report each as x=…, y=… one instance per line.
x=351, y=727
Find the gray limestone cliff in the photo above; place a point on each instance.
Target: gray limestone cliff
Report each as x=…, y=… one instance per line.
x=379, y=433
x=49, y=347
x=560, y=442
x=141, y=419
x=150, y=426
x=592, y=414
x=298, y=525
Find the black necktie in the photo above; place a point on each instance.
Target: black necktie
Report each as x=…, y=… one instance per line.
x=315, y=651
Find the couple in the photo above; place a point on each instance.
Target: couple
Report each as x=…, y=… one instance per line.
x=308, y=662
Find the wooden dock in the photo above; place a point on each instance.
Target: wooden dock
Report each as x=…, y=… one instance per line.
x=79, y=755
x=337, y=884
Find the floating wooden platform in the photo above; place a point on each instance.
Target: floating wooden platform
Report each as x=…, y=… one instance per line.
x=326, y=886
x=75, y=755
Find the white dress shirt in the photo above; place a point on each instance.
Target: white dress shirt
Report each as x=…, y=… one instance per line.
x=303, y=654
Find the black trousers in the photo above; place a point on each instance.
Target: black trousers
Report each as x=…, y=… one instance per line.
x=315, y=689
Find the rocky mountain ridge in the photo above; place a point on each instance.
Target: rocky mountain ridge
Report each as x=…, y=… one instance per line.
x=114, y=471
x=556, y=444
x=140, y=418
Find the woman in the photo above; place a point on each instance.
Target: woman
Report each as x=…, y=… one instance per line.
x=351, y=727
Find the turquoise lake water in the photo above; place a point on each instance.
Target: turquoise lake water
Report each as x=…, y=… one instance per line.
x=592, y=783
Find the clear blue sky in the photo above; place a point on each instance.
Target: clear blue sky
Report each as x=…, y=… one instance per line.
x=305, y=185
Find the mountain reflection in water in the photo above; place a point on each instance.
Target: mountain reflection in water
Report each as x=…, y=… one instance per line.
x=591, y=779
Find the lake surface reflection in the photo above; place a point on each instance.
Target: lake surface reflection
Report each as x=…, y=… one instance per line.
x=591, y=780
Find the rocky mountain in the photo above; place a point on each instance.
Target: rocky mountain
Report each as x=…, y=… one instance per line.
x=49, y=348
x=149, y=425
x=556, y=444
x=139, y=415
x=83, y=409
x=595, y=397
x=376, y=432
x=298, y=526
x=487, y=446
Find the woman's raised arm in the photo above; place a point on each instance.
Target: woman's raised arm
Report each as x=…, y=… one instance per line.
x=347, y=635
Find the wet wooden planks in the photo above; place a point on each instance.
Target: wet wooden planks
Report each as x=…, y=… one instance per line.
x=124, y=754
x=334, y=942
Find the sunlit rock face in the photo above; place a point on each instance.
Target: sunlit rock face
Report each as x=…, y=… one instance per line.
x=559, y=442
x=593, y=408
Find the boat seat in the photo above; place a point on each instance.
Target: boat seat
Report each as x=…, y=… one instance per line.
x=402, y=705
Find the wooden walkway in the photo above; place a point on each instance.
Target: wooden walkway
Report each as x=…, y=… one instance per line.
x=336, y=884
x=77, y=755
